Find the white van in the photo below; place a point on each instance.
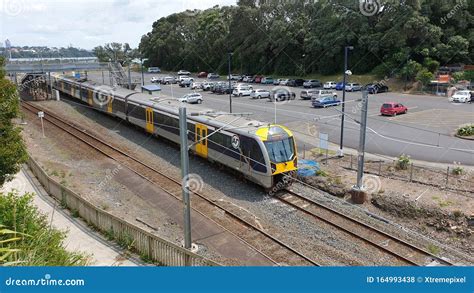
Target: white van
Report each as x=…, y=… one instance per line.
x=322, y=93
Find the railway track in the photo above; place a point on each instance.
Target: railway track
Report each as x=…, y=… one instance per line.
x=280, y=251
x=396, y=247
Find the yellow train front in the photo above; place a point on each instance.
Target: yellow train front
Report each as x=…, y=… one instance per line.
x=263, y=153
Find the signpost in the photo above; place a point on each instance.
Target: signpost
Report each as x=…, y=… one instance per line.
x=324, y=143
x=41, y=115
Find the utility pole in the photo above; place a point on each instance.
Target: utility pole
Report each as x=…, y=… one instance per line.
x=341, y=144
x=230, y=85
x=143, y=76
x=363, y=130
x=129, y=78
x=183, y=130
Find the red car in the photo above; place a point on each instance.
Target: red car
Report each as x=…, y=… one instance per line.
x=392, y=109
x=202, y=74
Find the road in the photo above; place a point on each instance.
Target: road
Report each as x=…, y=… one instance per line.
x=425, y=133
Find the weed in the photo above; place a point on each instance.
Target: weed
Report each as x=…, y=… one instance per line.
x=75, y=213
x=433, y=249
x=457, y=213
x=321, y=173
x=54, y=173
x=403, y=162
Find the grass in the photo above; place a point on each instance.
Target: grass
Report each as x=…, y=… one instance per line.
x=433, y=249
x=44, y=245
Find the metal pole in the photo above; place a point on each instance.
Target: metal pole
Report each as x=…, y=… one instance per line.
x=50, y=84
x=363, y=129
x=143, y=75
x=230, y=85
x=341, y=146
x=129, y=78
x=103, y=79
x=42, y=126
x=183, y=130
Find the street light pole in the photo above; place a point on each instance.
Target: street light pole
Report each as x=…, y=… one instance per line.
x=230, y=86
x=341, y=146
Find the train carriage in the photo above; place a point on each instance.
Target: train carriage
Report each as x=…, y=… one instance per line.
x=261, y=152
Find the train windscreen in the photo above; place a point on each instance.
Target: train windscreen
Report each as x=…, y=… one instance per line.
x=280, y=150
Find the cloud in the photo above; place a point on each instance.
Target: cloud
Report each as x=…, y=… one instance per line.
x=87, y=23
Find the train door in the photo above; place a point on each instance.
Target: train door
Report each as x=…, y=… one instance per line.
x=109, y=105
x=201, y=140
x=149, y=120
x=89, y=97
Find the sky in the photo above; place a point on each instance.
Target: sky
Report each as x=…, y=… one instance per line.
x=86, y=23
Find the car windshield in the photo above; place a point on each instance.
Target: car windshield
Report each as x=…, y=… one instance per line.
x=462, y=93
x=280, y=150
x=386, y=106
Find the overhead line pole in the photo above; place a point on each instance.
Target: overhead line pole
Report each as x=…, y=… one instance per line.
x=183, y=130
x=363, y=131
x=230, y=85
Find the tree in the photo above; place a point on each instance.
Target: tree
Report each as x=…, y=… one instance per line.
x=116, y=52
x=424, y=76
x=12, y=148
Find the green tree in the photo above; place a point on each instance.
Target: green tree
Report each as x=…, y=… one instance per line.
x=115, y=52
x=12, y=148
x=424, y=76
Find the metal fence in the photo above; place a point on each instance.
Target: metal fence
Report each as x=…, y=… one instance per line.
x=419, y=174
x=146, y=244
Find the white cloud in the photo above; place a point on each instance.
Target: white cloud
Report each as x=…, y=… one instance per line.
x=87, y=23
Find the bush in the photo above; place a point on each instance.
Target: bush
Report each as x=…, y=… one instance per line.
x=403, y=162
x=466, y=130
x=44, y=245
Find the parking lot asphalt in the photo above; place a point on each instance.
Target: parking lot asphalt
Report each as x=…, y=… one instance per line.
x=424, y=133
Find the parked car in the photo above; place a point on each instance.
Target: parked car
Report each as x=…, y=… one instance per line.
x=267, y=80
x=185, y=77
x=192, y=98
x=352, y=87
x=277, y=81
x=309, y=94
x=196, y=85
x=329, y=85
x=392, y=109
x=202, y=74
x=238, y=85
x=290, y=82
x=247, y=78
x=185, y=82
x=339, y=86
x=325, y=102
x=281, y=95
x=154, y=70
x=312, y=83
x=213, y=76
x=257, y=79
x=168, y=80
x=463, y=96
x=260, y=93
x=184, y=72
x=242, y=91
x=155, y=79
x=233, y=77
x=206, y=86
x=374, y=88
x=299, y=82
x=284, y=82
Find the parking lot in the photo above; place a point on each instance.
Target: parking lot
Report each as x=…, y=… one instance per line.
x=425, y=132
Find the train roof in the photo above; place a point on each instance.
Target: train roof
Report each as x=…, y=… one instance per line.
x=237, y=123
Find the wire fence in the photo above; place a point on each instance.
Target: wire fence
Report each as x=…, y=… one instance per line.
x=453, y=178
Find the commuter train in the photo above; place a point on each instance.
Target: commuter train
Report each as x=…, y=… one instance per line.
x=261, y=152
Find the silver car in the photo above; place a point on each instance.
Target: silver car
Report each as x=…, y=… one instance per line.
x=260, y=93
x=193, y=98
